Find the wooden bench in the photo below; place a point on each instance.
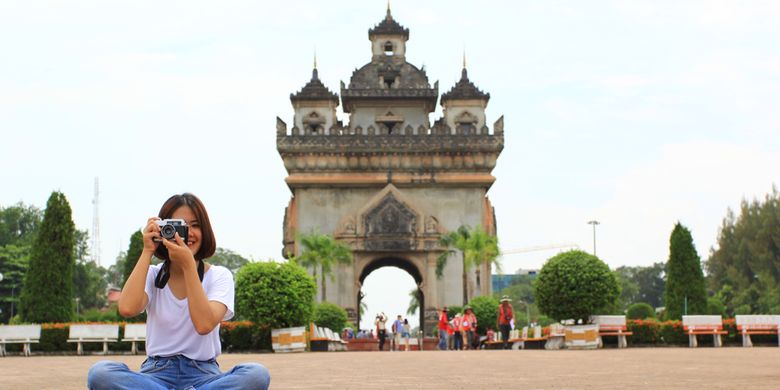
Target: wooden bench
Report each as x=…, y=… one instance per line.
x=135, y=333
x=19, y=334
x=612, y=326
x=695, y=325
x=757, y=324
x=105, y=334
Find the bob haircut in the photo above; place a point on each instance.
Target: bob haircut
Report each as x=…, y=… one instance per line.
x=208, y=244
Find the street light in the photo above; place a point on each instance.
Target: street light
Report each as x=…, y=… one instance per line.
x=594, y=223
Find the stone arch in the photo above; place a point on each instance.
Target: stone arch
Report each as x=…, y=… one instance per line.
x=416, y=271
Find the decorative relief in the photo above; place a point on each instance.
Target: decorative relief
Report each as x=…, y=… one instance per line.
x=431, y=225
x=390, y=226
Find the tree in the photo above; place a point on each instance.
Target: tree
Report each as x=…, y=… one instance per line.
x=414, y=301
x=89, y=283
x=275, y=295
x=132, y=255
x=482, y=250
x=685, y=290
x=323, y=251
x=115, y=273
x=48, y=286
x=14, y=261
x=331, y=316
x=18, y=224
x=476, y=248
x=744, y=267
x=575, y=285
x=228, y=259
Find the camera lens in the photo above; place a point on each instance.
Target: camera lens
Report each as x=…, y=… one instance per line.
x=167, y=232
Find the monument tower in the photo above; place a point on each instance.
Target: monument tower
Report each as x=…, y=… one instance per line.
x=388, y=183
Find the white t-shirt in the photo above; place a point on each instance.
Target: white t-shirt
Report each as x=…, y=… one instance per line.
x=169, y=328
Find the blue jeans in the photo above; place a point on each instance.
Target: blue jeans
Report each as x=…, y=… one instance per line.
x=442, y=339
x=177, y=372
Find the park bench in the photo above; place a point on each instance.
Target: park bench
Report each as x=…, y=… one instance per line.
x=134, y=333
x=695, y=325
x=289, y=339
x=757, y=324
x=325, y=340
x=521, y=340
x=581, y=336
x=19, y=334
x=556, y=337
x=610, y=326
x=93, y=334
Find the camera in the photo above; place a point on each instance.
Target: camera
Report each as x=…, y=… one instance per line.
x=169, y=228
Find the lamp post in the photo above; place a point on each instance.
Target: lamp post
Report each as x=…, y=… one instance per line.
x=594, y=223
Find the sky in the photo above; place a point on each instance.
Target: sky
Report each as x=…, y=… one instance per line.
x=636, y=114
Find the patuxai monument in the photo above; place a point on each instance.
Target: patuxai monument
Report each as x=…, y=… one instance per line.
x=388, y=183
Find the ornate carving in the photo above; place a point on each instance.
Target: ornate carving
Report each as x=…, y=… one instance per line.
x=431, y=225
x=390, y=226
x=281, y=127
x=498, y=127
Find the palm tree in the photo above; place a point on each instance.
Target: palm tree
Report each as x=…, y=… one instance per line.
x=323, y=251
x=457, y=240
x=477, y=247
x=414, y=301
x=482, y=250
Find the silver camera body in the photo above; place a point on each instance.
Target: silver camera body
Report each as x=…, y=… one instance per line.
x=169, y=228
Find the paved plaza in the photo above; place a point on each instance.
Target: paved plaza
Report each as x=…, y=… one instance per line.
x=656, y=368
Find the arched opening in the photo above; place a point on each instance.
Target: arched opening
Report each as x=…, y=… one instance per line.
x=386, y=287
x=388, y=46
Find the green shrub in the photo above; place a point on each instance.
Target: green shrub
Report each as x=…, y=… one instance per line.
x=575, y=285
x=244, y=336
x=672, y=333
x=331, y=316
x=485, y=308
x=275, y=295
x=645, y=332
x=640, y=311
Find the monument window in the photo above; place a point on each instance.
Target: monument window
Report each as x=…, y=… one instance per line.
x=388, y=48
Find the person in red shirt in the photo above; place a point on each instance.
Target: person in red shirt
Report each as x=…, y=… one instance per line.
x=505, y=318
x=443, y=325
x=469, y=326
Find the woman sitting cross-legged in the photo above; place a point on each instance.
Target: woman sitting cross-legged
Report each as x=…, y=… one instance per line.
x=185, y=299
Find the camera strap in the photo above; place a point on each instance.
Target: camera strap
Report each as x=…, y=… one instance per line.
x=165, y=273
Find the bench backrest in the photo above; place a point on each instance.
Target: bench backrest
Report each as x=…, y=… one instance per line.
x=704, y=322
x=20, y=332
x=94, y=332
x=135, y=332
x=607, y=323
x=758, y=321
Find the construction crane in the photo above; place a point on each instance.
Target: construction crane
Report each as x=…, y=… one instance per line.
x=538, y=248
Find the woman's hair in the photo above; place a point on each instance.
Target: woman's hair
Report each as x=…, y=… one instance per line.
x=208, y=245
x=406, y=321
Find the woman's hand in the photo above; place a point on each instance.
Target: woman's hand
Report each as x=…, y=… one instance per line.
x=179, y=253
x=151, y=235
